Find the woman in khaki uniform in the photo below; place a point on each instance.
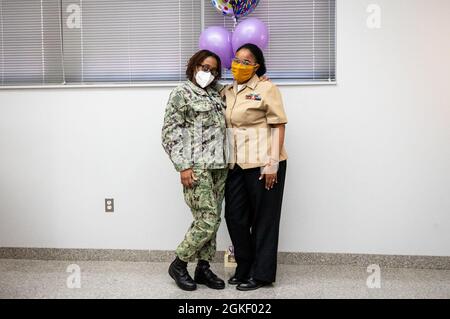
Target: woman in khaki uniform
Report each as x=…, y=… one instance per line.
x=255, y=183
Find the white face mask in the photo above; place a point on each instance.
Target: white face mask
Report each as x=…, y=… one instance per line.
x=204, y=78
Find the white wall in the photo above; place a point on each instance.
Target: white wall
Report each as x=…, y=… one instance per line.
x=369, y=167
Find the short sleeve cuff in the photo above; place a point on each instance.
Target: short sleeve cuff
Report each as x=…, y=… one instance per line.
x=276, y=121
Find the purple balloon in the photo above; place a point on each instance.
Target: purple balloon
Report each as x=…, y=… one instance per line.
x=252, y=31
x=218, y=40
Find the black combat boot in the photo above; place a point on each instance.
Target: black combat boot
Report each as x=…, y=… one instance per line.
x=178, y=271
x=204, y=275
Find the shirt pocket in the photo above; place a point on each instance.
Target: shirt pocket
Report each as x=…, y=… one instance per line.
x=253, y=113
x=203, y=113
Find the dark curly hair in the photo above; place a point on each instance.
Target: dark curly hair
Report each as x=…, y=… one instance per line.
x=258, y=55
x=197, y=59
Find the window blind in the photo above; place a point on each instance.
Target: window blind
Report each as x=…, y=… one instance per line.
x=302, y=44
x=132, y=41
x=30, y=42
x=129, y=40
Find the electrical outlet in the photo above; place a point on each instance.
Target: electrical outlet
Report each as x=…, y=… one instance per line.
x=109, y=205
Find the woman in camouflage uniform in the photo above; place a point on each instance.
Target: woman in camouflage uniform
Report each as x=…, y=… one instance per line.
x=193, y=136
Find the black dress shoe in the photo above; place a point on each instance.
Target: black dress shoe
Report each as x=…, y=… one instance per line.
x=178, y=271
x=235, y=280
x=205, y=276
x=252, y=284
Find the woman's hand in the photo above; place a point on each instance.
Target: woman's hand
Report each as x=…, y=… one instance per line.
x=269, y=173
x=188, y=178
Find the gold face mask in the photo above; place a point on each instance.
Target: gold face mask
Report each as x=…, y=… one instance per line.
x=242, y=73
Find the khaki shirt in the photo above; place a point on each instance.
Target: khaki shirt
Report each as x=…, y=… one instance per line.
x=250, y=113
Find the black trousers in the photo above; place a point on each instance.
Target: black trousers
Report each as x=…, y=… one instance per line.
x=252, y=214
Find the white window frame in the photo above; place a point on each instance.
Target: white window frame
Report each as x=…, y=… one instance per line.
x=171, y=84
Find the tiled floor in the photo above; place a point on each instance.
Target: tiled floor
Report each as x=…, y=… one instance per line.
x=48, y=279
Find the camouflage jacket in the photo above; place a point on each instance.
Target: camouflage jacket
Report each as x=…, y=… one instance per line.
x=194, y=130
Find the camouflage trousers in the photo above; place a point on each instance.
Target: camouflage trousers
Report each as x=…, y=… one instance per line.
x=205, y=200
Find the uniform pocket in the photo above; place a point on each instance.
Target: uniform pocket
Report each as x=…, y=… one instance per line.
x=201, y=196
x=204, y=113
x=202, y=106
